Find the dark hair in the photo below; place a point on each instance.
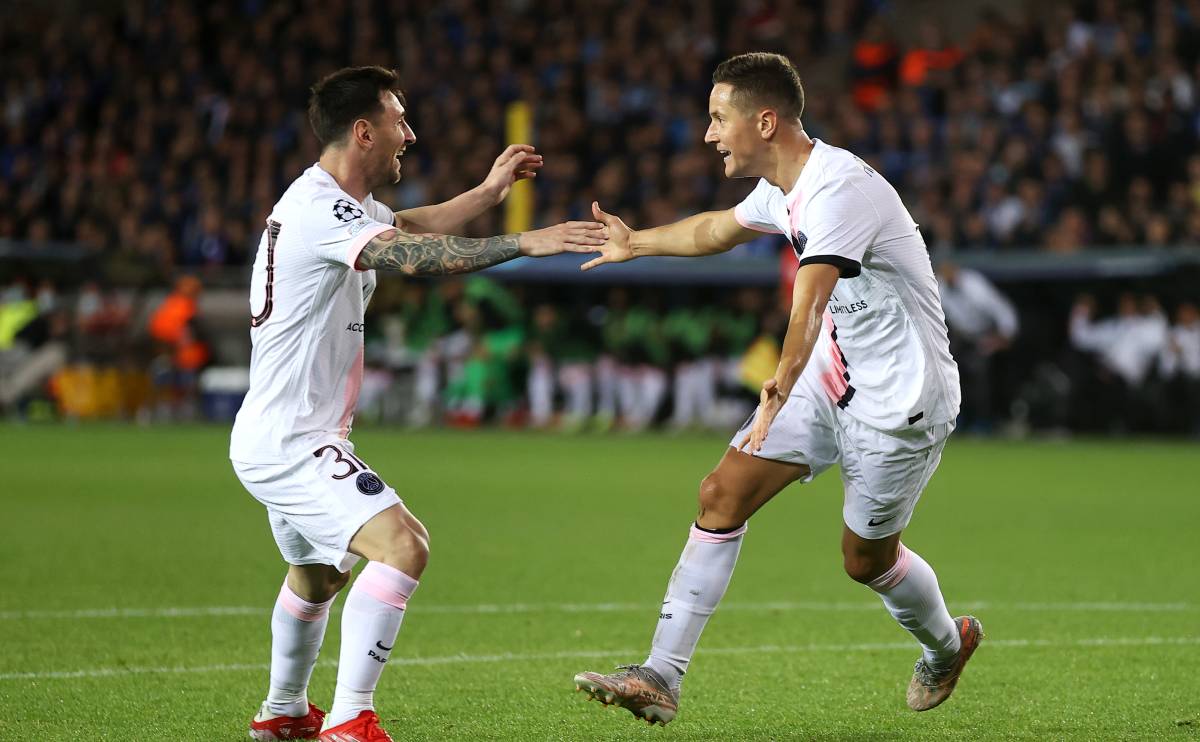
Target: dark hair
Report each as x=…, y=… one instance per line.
x=762, y=79
x=341, y=98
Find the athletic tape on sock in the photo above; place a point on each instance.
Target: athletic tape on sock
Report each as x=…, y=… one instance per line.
x=715, y=537
x=301, y=608
x=892, y=577
x=387, y=584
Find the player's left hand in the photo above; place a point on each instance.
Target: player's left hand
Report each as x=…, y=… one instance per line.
x=565, y=237
x=516, y=162
x=770, y=401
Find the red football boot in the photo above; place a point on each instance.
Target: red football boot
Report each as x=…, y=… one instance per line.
x=270, y=728
x=362, y=728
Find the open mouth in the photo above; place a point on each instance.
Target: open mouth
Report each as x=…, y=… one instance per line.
x=724, y=153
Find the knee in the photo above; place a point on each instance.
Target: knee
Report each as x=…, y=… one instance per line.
x=408, y=550
x=859, y=567
x=717, y=504
x=337, y=582
x=862, y=567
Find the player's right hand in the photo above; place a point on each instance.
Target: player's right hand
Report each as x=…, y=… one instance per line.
x=565, y=237
x=616, y=248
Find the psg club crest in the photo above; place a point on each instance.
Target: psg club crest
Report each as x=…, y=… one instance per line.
x=369, y=484
x=346, y=211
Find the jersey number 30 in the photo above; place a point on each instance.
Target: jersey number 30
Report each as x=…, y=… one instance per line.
x=273, y=228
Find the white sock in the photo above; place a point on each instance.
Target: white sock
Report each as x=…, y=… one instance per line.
x=297, y=630
x=911, y=593
x=370, y=621
x=695, y=589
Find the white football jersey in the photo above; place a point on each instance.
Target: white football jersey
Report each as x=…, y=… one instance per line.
x=306, y=327
x=883, y=355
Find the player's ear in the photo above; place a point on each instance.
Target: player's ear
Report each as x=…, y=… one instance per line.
x=363, y=133
x=768, y=122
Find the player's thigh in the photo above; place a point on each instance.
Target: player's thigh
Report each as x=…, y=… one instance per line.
x=800, y=444
x=740, y=485
x=320, y=500
x=391, y=533
x=884, y=475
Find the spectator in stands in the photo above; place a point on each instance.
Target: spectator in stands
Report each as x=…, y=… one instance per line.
x=983, y=325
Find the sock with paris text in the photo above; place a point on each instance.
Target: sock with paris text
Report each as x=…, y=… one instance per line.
x=370, y=623
x=696, y=587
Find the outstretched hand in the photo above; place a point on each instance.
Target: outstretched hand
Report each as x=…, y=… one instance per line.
x=616, y=248
x=516, y=162
x=769, y=403
x=565, y=237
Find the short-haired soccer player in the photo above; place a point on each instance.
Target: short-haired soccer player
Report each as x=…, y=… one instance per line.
x=865, y=380
x=313, y=276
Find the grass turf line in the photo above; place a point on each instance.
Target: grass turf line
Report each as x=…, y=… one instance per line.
x=109, y=516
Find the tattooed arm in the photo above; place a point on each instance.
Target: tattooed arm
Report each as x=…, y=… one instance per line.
x=435, y=254
x=441, y=254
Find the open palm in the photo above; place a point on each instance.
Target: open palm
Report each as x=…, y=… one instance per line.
x=616, y=249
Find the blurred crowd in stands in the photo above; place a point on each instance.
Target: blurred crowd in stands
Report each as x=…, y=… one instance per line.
x=159, y=133
x=154, y=137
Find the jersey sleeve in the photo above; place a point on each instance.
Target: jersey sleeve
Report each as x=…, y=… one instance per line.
x=381, y=213
x=753, y=212
x=339, y=228
x=842, y=224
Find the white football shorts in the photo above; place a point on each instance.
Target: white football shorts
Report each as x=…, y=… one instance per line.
x=317, y=503
x=883, y=473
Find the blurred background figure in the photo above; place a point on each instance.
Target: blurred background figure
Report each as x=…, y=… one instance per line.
x=1120, y=391
x=983, y=325
x=180, y=351
x=1181, y=369
x=35, y=334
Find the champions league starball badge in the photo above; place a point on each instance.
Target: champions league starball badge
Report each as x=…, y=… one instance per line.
x=346, y=211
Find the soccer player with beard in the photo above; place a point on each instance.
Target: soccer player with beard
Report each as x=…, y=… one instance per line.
x=865, y=380
x=313, y=276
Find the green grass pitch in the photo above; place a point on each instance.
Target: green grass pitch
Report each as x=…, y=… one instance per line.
x=139, y=576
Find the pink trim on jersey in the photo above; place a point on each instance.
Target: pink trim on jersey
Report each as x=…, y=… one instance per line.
x=793, y=203
x=794, y=218
x=386, y=584
x=742, y=220
x=832, y=378
x=361, y=241
x=706, y=537
x=893, y=576
x=301, y=608
x=350, y=400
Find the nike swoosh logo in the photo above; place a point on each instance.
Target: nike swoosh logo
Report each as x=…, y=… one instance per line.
x=380, y=646
x=873, y=522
